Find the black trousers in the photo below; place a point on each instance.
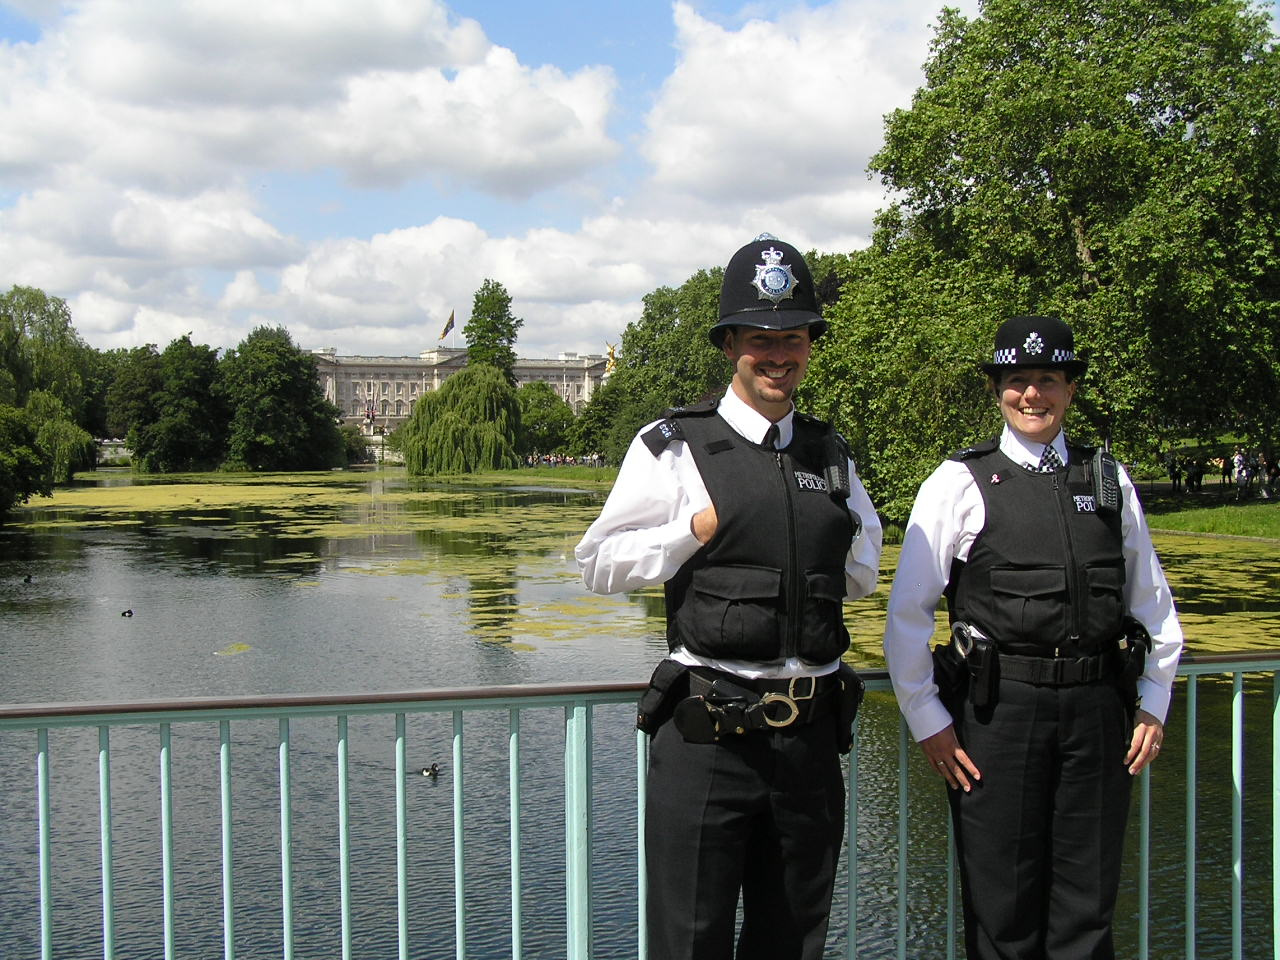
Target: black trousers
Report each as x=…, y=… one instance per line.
x=1039, y=839
x=761, y=813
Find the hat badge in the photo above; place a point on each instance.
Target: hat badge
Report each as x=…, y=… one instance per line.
x=1034, y=344
x=774, y=279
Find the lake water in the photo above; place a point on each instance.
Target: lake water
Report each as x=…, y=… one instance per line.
x=353, y=583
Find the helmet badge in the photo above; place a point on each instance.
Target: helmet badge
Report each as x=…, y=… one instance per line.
x=774, y=279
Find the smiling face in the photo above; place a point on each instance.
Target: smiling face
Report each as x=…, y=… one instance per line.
x=768, y=365
x=1034, y=401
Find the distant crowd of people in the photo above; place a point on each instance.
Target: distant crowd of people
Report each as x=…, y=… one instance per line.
x=1247, y=471
x=563, y=460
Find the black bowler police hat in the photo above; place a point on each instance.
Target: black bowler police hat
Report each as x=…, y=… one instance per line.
x=1035, y=342
x=768, y=285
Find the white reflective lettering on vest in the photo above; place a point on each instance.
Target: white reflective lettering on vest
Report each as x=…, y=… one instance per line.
x=811, y=481
x=1086, y=504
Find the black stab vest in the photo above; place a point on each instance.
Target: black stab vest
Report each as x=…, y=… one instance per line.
x=1045, y=576
x=770, y=583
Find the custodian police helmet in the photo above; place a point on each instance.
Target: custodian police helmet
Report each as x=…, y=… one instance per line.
x=768, y=285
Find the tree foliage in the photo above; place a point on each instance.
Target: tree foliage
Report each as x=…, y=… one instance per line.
x=183, y=423
x=545, y=419
x=471, y=423
x=280, y=419
x=25, y=469
x=1111, y=161
x=491, y=332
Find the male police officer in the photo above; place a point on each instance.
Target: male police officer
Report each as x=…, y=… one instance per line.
x=748, y=512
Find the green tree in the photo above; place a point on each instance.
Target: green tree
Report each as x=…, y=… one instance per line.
x=355, y=444
x=66, y=447
x=1112, y=161
x=545, y=419
x=185, y=424
x=25, y=470
x=131, y=397
x=469, y=424
x=491, y=331
x=665, y=359
x=42, y=350
x=280, y=419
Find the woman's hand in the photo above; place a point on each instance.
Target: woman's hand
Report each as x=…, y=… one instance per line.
x=1148, y=734
x=948, y=758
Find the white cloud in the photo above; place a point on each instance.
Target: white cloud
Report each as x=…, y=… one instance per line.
x=785, y=108
x=140, y=141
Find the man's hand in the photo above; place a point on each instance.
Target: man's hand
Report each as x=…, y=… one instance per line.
x=703, y=524
x=1148, y=734
x=948, y=758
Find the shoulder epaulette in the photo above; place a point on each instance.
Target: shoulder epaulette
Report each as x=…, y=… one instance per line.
x=660, y=435
x=977, y=450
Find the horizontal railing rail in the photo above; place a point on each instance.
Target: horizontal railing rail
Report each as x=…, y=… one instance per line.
x=579, y=775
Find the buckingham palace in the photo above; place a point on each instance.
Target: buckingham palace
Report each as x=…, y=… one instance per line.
x=382, y=391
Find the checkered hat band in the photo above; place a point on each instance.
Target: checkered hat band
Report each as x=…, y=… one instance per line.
x=1062, y=356
x=1007, y=355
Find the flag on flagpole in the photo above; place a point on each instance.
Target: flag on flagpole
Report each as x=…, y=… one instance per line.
x=447, y=327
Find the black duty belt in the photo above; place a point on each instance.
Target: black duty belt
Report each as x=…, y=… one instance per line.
x=723, y=703
x=1056, y=671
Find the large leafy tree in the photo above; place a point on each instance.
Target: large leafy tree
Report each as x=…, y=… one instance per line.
x=471, y=423
x=280, y=419
x=665, y=360
x=25, y=469
x=1113, y=161
x=491, y=332
x=185, y=424
x=131, y=397
x=545, y=419
x=42, y=349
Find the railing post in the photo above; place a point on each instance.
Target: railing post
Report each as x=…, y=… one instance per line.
x=904, y=747
x=1275, y=816
x=642, y=862
x=1237, y=815
x=513, y=788
x=46, y=876
x=104, y=822
x=851, y=848
x=459, y=844
x=286, y=843
x=224, y=777
x=344, y=836
x=1189, y=858
x=577, y=808
x=166, y=836
x=402, y=855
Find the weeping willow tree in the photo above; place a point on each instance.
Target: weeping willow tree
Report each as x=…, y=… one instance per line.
x=469, y=424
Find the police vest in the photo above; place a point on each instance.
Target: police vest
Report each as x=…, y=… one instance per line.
x=1045, y=576
x=770, y=583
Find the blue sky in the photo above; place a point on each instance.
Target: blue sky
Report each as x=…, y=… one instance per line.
x=354, y=171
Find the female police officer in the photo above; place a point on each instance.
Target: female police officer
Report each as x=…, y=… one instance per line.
x=1042, y=552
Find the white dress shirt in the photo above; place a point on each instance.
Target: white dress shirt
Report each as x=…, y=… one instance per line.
x=947, y=515
x=643, y=534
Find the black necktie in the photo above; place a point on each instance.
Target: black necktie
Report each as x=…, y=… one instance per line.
x=770, y=440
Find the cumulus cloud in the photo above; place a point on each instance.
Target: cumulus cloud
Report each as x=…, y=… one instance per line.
x=783, y=108
x=140, y=141
x=173, y=94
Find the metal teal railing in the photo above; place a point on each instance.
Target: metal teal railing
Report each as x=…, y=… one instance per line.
x=579, y=704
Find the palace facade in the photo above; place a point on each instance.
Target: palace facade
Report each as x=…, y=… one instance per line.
x=379, y=393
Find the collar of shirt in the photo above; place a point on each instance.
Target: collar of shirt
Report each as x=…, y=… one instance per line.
x=751, y=423
x=1026, y=452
